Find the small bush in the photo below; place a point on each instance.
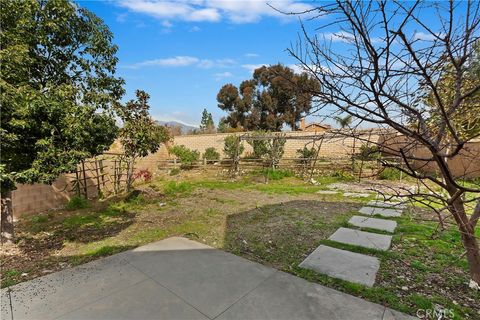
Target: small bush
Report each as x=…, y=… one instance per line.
x=144, y=174
x=306, y=154
x=187, y=157
x=232, y=143
x=389, y=174
x=76, y=203
x=174, y=188
x=211, y=154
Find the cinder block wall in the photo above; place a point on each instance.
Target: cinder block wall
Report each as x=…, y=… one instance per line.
x=29, y=199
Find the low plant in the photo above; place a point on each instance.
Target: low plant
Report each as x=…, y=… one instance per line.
x=143, y=174
x=77, y=202
x=187, y=157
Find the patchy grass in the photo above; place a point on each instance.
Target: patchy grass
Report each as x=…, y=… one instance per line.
x=277, y=224
x=76, y=203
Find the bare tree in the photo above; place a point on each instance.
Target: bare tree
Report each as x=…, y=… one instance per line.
x=418, y=81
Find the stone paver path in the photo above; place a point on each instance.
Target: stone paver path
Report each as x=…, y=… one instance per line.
x=383, y=204
x=373, y=223
x=356, y=195
x=355, y=267
x=385, y=212
x=342, y=264
x=362, y=238
x=181, y=279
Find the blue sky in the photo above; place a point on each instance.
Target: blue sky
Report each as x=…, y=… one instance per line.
x=182, y=54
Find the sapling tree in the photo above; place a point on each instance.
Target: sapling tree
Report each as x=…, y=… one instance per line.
x=140, y=134
x=415, y=80
x=57, y=89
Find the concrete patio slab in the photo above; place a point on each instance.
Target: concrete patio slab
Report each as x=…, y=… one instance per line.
x=385, y=212
x=362, y=238
x=210, y=280
x=342, y=264
x=53, y=295
x=126, y=304
x=384, y=204
x=373, y=223
x=286, y=297
x=179, y=279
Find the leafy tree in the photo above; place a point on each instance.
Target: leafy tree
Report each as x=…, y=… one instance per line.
x=206, y=124
x=211, y=154
x=57, y=88
x=268, y=145
x=275, y=96
x=187, y=157
x=140, y=135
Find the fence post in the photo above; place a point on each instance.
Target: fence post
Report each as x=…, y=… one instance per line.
x=205, y=163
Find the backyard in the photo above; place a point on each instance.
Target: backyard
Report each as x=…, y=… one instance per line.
x=277, y=224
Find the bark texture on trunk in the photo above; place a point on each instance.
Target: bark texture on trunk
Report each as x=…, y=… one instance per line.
x=469, y=240
x=7, y=217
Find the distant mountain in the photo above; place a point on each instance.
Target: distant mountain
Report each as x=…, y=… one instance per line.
x=185, y=128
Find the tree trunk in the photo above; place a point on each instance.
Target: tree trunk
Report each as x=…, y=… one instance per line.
x=473, y=256
x=7, y=217
x=468, y=238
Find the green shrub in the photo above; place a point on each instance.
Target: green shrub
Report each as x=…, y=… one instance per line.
x=76, y=203
x=211, y=154
x=174, y=188
x=187, y=157
x=232, y=143
x=390, y=174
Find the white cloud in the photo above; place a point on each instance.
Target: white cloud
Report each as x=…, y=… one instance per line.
x=422, y=36
x=222, y=75
x=236, y=11
x=252, y=67
x=184, y=61
x=251, y=55
x=346, y=37
x=195, y=29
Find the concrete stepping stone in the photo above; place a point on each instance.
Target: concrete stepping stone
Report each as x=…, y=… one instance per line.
x=384, y=204
x=385, y=212
x=356, y=195
x=327, y=192
x=373, y=223
x=342, y=264
x=362, y=238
